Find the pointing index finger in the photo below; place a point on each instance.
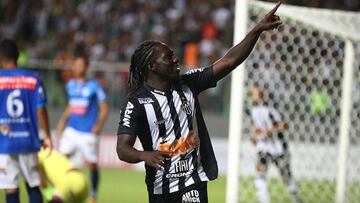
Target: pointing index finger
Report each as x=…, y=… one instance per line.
x=275, y=8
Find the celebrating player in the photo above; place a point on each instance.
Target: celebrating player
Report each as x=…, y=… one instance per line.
x=161, y=110
x=22, y=103
x=83, y=118
x=271, y=145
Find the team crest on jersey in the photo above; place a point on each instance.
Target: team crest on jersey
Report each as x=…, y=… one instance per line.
x=4, y=129
x=147, y=100
x=186, y=107
x=85, y=92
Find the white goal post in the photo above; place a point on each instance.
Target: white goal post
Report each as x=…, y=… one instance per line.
x=306, y=33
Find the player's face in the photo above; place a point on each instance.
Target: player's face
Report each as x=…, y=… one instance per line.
x=165, y=63
x=79, y=68
x=256, y=94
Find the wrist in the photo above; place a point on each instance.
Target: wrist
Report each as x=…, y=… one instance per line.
x=256, y=30
x=140, y=155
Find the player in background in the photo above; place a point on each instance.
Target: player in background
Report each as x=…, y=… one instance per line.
x=83, y=119
x=163, y=109
x=271, y=145
x=22, y=106
x=61, y=182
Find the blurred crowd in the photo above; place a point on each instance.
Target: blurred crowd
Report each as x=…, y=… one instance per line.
x=198, y=30
x=110, y=30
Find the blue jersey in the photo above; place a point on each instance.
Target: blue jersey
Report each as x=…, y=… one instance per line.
x=21, y=93
x=84, y=99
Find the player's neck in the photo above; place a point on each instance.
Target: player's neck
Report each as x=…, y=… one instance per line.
x=80, y=79
x=9, y=65
x=159, y=84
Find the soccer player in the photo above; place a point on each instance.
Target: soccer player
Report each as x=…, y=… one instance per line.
x=61, y=182
x=83, y=119
x=163, y=112
x=271, y=145
x=22, y=103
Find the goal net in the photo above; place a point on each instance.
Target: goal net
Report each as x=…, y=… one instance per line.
x=301, y=68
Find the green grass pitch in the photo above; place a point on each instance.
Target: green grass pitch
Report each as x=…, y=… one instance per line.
x=127, y=186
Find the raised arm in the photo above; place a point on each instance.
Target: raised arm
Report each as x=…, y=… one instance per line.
x=237, y=54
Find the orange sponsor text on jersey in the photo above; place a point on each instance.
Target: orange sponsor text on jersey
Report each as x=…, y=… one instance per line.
x=180, y=146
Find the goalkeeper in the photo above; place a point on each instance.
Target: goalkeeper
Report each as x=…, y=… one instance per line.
x=60, y=181
x=271, y=145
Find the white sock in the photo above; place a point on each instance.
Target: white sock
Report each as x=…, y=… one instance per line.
x=292, y=186
x=261, y=188
x=294, y=191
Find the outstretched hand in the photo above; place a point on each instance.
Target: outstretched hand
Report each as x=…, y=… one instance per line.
x=270, y=20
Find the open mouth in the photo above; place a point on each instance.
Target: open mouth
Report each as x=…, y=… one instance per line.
x=177, y=68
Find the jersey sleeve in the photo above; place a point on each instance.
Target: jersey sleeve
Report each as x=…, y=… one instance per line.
x=40, y=95
x=200, y=79
x=129, y=119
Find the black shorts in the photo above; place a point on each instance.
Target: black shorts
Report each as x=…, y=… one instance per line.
x=194, y=193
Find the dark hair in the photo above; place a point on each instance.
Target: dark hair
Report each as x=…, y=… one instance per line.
x=139, y=61
x=9, y=49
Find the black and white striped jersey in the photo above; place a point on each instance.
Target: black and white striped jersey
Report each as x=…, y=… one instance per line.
x=165, y=121
x=264, y=117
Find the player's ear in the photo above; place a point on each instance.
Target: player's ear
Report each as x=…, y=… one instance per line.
x=151, y=66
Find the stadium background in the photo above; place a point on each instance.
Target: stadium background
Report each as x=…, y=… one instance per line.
x=50, y=32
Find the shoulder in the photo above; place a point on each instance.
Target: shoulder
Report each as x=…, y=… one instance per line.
x=28, y=73
x=138, y=97
x=70, y=82
x=94, y=84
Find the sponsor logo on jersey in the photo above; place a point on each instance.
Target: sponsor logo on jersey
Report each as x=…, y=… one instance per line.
x=191, y=196
x=78, y=106
x=147, y=100
x=19, y=134
x=127, y=114
x=159, y=92
x=17, y=82
x=182, y=165
x=180, y=174
x=181, y=146
x=4, y=129
x=194, y=71
x=14, y=120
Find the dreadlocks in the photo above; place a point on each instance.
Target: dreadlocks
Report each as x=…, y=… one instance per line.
x=139, y=61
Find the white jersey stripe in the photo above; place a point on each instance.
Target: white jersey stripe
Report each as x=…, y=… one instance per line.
x=165, y=110
x=150, y=112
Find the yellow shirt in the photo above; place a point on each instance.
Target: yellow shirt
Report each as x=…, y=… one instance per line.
x=54, y=165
